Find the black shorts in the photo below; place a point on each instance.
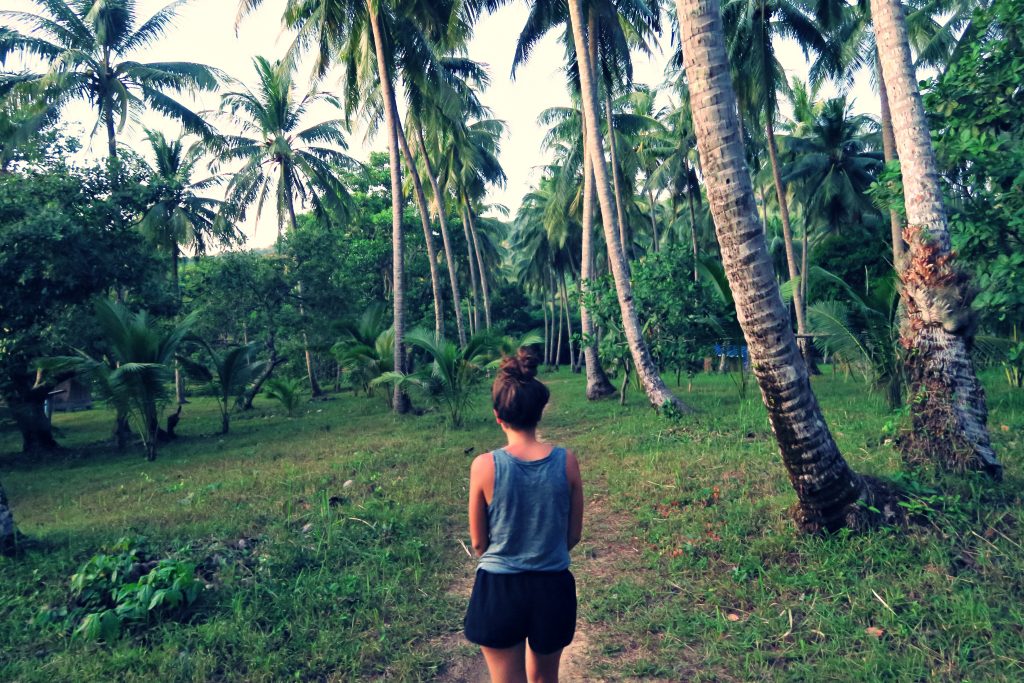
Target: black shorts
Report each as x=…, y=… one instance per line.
x=506, y=609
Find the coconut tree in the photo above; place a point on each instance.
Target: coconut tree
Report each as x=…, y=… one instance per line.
x=752, y=27
x=370, y=40
x=948, y=408
x=830, y=495
x=180, y=217
x=230, y=373
x=283, y=157
x=585, y=37
x=89, y=47
x=134, y=374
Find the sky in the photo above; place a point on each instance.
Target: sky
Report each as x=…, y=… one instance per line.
x=205, y=32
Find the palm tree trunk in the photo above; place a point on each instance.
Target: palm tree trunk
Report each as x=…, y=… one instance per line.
x=314, y=386
x=693, y=232
x=480, y=265
x=627, y=243
x=442, y=220
x=657, y=392
x=948, y=408
x=556, y=310
x=401, y=400
x=654, y=221
x=568, y=319
x=111, y=133
x=428, y=236
x=828, y=491
x=8, y=531
x=547, y=334
x=475, y=319
x=899, y=247
x=598, y=386
x=787, y=238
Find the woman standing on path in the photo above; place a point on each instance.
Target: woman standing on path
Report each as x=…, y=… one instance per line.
x=525, y=514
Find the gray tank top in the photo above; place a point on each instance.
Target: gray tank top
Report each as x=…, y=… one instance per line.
x=528, y=518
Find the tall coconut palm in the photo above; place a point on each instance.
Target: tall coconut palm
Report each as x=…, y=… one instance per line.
x=830, y=160
x=369, y=40
x=948, y=408
x=830, y=494
x=89, y=47
x=181, y=217
x=281, y=157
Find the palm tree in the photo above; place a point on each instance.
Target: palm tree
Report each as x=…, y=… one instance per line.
x=588, y=70
x=346, y=31
x=830, y=494
x=831, y=158
x=135, y=374
x=233, y=371
x=180, y=217
x=89, y=47
x=948, y=410
x=283, y=158
x=21, y=117
x=751, y=27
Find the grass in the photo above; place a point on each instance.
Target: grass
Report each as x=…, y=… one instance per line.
x=690, y=566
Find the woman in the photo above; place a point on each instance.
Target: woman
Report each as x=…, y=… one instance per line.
x=525, y=515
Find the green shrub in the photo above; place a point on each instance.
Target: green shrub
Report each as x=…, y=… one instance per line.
x=111, y=592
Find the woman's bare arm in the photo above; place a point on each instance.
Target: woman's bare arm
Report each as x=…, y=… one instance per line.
x=481, y=483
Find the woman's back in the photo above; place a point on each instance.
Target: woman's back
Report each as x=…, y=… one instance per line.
x=528, y=515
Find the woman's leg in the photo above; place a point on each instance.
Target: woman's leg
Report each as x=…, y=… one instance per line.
x=542, y=668
x=507, y=665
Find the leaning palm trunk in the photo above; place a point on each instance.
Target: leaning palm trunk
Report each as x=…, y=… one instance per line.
x=428, y=236
x=889, y=154
x=947, y=403
x=556, y=310
x=401, y=400
x=829, y=493
x=657, y=392
x=547, y=334
x=475, y=318
x=442, y=220
x=627, y=243
x=568, y=319
x=480, y=265
x=598, y=385
x=787, y=238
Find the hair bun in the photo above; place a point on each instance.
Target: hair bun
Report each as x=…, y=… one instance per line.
x=522, y=366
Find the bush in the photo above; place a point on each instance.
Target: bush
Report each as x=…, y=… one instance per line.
x=111, y=592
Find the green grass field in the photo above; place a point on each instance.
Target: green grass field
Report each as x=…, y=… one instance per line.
x=690, y=568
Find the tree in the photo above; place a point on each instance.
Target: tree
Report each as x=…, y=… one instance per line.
x=277, y=152
x=180, y=217
x=68, y=235
x=233, y=371
x=751, y=27
x=658, y=393
x=88, y=45
x=830, y=495
x=134, y=373
x=948, y=408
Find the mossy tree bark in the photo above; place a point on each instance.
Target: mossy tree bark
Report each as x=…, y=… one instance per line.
x=830, y=495
x=948, y=410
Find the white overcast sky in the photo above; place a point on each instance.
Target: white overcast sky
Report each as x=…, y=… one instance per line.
x=205, y=32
